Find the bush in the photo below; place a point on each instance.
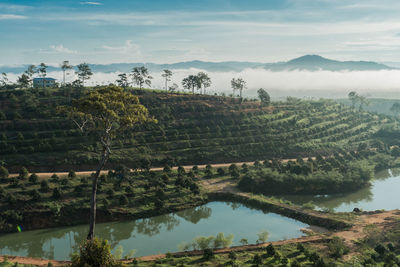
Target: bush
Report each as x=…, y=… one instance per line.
x=33, y=178
x=95, y=253
x=123, y=200
x=3, y=172
x=257, y=260
x=221, y=171
x=208, y=254
x=23, y=173
x=44, y=186
x=71, y=174
x=35, y=195
x=270, y=250
x=56, y=193
x=337, y=247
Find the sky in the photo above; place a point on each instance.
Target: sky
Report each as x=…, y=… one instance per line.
x=167, y=31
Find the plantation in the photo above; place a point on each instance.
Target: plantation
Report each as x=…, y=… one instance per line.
x=122, y=195
x=190, y=130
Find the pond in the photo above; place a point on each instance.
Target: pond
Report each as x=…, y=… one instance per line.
x=159, y=234
x=383, y=193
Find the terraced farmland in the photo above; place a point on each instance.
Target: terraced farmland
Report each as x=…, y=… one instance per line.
x=190, y=130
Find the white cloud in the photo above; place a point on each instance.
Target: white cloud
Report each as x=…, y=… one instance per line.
x=92, y=3
x=53, y=49
x=128, y=48
x=11, y=16
x=14, y=7
x=329, y=84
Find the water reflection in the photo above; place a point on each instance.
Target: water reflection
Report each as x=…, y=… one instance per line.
x=382, y=194
x=155, y=235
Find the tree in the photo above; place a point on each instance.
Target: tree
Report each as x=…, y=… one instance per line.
x=167, y=76
x=31, y=71
x=3, y=172
x=191, y=82
x=238, y=84
x=123, y=80
x=395, y=108
x=4, y=80
x=84, y=72
x=24, y=80
x=204, y=81
x=42, y=70
x=353, y=97
x=65, y=66
x=264, y=97
x=105, y=113
x=173, y=88
x=140, y=76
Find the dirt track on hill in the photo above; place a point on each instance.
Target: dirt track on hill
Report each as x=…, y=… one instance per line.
x=186, y=167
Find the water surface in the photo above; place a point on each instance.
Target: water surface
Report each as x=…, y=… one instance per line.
x=159, y=234
x=383, y=193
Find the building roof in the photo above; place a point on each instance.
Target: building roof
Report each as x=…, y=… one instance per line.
x=44, y=79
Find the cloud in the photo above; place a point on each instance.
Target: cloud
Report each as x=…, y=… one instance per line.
x=53, y=49
x=328, y=84
x=14, y=7
x=11, y=16
x=128, y=48
x=92, y=3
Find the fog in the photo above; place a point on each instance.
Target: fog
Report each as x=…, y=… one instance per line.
x=328, y=84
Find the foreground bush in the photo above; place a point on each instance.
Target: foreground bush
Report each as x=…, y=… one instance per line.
x=95, y=253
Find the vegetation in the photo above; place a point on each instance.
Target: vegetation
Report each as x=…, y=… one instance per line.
x=191, y=130
x=65, y=201
x=320, y=176
x=106, y=112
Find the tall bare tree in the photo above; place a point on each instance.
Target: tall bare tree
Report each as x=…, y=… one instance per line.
x=105, y=113
x=140, y=76
x=167, y=76
x=65, y=66
x=238, y=84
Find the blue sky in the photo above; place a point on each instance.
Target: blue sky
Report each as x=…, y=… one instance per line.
x=166, y=31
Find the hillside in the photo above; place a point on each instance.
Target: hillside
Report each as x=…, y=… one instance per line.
x=191, y=130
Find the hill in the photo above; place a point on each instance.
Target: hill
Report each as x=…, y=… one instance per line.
x=197, y=129
x=307, y=62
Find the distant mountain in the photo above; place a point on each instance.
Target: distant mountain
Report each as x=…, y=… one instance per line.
x=315, y=62
x=308, y=62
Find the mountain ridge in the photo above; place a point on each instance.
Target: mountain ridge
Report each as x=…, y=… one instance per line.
x=306, y=62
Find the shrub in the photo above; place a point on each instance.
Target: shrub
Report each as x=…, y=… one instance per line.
x=64, y=181
x=123, y=200
x=221, y=171
x=94, y=253
x=257, y=260
x=110, y=192
x=3, y=172
x=158, y=203
x=54, y=177
x=44, y=186
x=244, y=241
x=337, y=247
x=208, y=254
x=262, y=236
x=270, y=250
x=71, y=174
x=56, y=193
x=33, y=178
x=23, y=173
x=232, y=255
x=35, y=195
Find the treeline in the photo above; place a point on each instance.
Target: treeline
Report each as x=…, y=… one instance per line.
x=321, y=176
